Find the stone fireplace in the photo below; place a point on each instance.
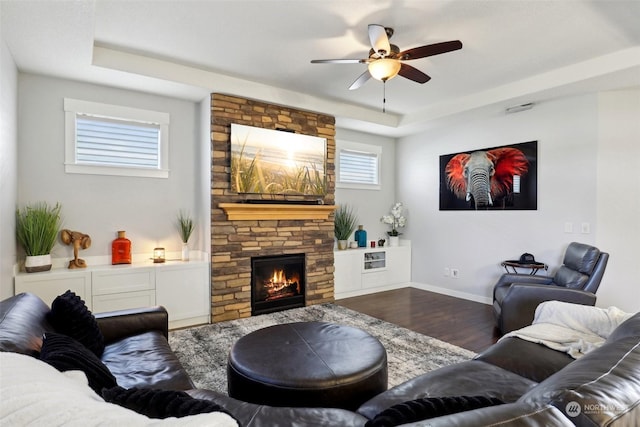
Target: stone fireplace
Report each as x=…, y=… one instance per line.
x=242, y=232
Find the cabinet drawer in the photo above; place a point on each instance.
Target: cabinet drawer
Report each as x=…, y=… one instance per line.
x=123, y=301
x=112, y=282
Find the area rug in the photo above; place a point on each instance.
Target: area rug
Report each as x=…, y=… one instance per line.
x=203, y=350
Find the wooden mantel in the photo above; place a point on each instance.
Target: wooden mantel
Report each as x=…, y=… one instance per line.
x=249, y=211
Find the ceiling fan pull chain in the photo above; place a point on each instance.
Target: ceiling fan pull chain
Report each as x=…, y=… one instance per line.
x=384, y=95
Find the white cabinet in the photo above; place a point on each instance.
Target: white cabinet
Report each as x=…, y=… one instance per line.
x=181, y=287
x=368, y=270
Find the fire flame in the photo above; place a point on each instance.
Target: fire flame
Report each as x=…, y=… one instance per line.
x=278, y=276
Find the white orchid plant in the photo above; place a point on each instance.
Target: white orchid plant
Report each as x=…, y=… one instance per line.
x=396, y=220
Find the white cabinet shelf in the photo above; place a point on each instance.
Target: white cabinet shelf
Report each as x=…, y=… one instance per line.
x=367, y=270
x=181, y=287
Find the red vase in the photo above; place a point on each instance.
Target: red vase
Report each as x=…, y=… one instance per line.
x=121, y=250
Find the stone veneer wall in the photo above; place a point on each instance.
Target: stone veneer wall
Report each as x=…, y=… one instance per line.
x=233, y=243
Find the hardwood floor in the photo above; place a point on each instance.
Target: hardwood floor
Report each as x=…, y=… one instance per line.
x=464, y=323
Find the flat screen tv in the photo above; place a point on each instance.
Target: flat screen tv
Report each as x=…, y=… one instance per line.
x=268, y=161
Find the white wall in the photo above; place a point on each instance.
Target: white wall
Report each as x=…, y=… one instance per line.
x=146, y=208
x=618, y=192
x=370, y=205
x=585, y=145
x=8, y=168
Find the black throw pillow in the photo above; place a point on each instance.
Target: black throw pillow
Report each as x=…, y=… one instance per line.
x=429, y=407
x=66, y=354
x=159, y=403
x=69, y=315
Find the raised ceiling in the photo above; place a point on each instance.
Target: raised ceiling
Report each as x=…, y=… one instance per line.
x=515, y=51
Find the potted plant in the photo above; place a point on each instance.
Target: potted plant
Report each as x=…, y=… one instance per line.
x=37, y=228
x=344, y=225
x=185, y=227
x=396, y=220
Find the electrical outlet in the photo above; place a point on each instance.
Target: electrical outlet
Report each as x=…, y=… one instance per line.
x=455, y=273
x=585, y=228
x=446, y=272
x=568, y=227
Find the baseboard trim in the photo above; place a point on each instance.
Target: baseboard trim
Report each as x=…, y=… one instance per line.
x=423, y=286
x=366, y=291
x=457, y=294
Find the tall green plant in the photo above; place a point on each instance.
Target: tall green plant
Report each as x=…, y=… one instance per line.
x=37, y=227
x=345, y=222
x=185, y=226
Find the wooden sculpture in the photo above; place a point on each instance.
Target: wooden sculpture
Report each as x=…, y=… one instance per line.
x=80, y=241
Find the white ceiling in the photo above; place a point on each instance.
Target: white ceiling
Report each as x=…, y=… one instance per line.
x=515, y=51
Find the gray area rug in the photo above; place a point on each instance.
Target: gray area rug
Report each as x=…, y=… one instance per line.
x=203, y=350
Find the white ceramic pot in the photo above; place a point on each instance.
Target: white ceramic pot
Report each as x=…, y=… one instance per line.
x=343, y=244
x=34, y=264
x=394, y=240
x=185, y=252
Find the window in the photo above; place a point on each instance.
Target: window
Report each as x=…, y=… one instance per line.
x=108, y=139
x=358, y=165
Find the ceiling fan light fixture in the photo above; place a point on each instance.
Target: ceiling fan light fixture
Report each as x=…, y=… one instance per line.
x=384, y=69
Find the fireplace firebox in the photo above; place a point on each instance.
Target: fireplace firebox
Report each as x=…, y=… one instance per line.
x=277, y=283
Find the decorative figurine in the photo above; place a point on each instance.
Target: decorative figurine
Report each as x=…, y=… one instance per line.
x=381, y=242
x=80, y=241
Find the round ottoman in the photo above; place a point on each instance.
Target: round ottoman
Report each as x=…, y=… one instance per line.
x=311, y=364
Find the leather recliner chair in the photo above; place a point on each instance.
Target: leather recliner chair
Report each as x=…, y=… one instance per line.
x=516, y=296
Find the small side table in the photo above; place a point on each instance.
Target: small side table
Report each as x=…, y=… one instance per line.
x=533, y=266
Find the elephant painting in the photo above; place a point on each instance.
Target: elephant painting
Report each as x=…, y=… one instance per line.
x=484, y=179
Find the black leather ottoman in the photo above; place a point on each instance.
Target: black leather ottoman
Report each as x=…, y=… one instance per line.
x=310, y=364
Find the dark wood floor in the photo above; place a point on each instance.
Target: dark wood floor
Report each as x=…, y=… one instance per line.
x=464, y=323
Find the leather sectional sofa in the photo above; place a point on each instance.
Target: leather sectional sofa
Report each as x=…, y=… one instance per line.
x=539, y=386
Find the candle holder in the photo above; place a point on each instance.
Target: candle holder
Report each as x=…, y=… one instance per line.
x=158, y=255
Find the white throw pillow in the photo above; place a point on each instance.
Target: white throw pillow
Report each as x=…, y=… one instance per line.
x=36, y=394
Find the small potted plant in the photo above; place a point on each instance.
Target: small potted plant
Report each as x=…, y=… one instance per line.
x=345, y=223
x=37, y=228
x=396, y=220
x=185, y=227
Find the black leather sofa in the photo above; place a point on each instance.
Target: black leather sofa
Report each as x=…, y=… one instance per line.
x=540, y=386
x=138, y=355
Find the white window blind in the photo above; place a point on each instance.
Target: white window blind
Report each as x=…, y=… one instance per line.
x=358, y=168
x=117, y=143
x=109, y=139
x=358, y=165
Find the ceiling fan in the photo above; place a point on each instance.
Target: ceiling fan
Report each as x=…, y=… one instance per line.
x=385, y=60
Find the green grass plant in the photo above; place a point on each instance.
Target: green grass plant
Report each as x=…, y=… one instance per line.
x=345, y=222
x=185, y=226
x=37, y=227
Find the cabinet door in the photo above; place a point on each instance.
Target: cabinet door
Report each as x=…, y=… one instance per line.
x=184, y=292
x=49, y=285
x=347, y=276
x=399, y=265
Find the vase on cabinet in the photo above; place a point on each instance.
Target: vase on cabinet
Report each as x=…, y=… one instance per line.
x=37, y=263
x=394, y=240
x=185, y=252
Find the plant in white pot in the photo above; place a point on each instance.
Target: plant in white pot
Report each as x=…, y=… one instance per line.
x=185, y=227
x=37, y=227
x=396, y=220
x=345, y=223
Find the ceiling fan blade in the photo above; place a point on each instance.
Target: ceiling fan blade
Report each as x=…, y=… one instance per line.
x=429, y=50
x=379, y=40
x=339, y=61
x=362, y=79
x=412, y=73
